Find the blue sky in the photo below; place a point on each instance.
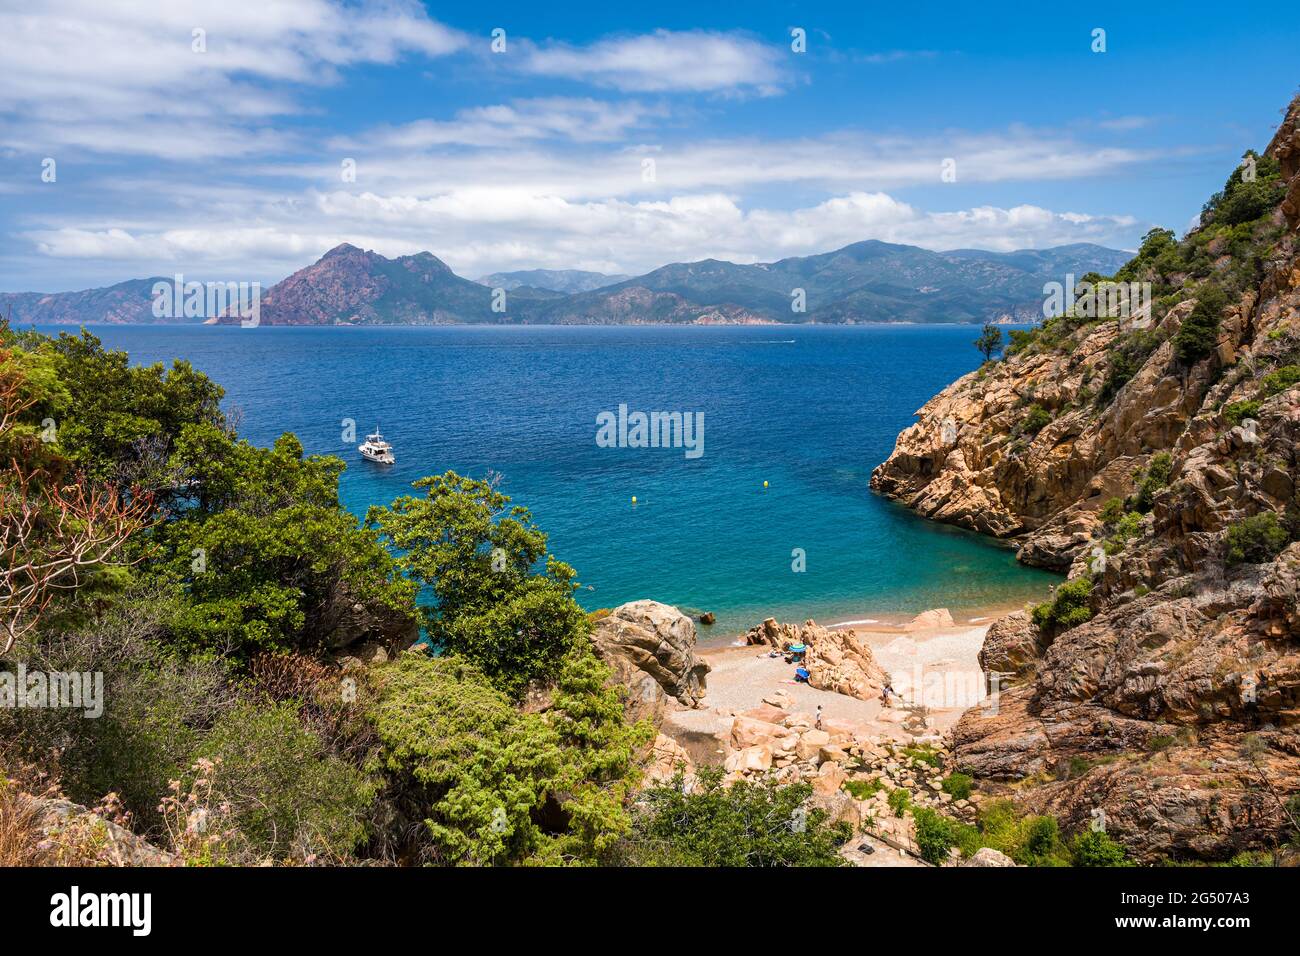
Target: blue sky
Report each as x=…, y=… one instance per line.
x=225, y=159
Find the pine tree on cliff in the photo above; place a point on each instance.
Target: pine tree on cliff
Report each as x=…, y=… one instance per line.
x=990, y=341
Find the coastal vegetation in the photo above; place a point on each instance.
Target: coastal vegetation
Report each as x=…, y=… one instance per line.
x=1029, y=840
x=1067, y=608
x=226, y=621
x=744, y=824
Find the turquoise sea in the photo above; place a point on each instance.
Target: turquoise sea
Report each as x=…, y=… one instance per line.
x=808, y=409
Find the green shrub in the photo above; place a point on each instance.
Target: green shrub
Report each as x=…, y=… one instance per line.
x=745, y=824
x=1096, y=848
x=1068, y=607
x=1252, y=858
x=935, y=835
x=1042, y=837
x=864, y=789
x=1019, y=341
x=1029, y=840
x=1112, y=511
x=1241, y=201
x=287, y=796
x=923, y=753
x=958, y=785
x=497, y=785
x=1249, y=202
x=1127, y=356
x=1126, y=529
x=1237, y=412
x=899, y=801
x=1036, y=419
x=463, y=760
x=1280, y=380
x=1198, y=335
x=1157, y=475
x=1256, y=540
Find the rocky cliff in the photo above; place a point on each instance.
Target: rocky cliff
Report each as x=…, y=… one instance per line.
x=1151, y=454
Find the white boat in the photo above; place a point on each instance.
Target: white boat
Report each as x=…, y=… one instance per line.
x=375, y=449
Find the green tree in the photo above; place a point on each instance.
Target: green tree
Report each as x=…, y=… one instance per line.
x=121, y=422
x=990, y=341
x=1197, y=336
x=266, y=550
x=479, y=559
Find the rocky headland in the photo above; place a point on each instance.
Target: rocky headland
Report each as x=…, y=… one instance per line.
x=1152, y=457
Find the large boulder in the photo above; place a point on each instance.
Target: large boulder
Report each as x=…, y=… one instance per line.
x=89, y=838
x=987, y=856
x=838, y=660
x=1012, y=646
x=666, y=759
x=647, y=638
x=841, y=661
x=927, y=620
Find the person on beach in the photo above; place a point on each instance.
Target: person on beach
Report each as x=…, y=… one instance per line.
x=885, y=693
x=818, y=722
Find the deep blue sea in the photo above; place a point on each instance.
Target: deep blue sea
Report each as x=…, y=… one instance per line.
x=810, y=410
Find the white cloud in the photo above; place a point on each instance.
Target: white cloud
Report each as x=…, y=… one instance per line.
x=480, y=231
x=122, y=77
x=664, y=61
x=836, y=163
x=581, y=120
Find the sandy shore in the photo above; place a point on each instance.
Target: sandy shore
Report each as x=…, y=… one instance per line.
x=936, y=667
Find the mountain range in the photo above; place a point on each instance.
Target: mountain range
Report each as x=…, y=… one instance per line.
x=870, y=281
x=567, y=281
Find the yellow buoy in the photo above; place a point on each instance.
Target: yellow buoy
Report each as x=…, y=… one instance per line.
x=764, y=484
x=634, y=499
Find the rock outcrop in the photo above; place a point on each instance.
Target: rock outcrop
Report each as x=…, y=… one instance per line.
x=1154, y=458
x=987, y=856
x=666, y=759
x=343, y=621
x=837, y=660
x=77, y=836
x=1012, y=647
x=646, y=639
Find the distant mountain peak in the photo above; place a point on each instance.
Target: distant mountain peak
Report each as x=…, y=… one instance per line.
x=342, y=249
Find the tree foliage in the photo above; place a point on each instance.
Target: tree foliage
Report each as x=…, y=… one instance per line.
x=1068, y=607
x=745, y=824
x=479, y=558
x=1197, y=336
x=990, y=341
